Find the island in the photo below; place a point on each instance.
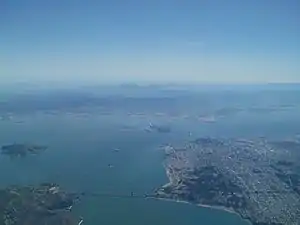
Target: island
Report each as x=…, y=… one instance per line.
x=21, y=150
x=256, y=179
x=45, y=204
x=158, y=128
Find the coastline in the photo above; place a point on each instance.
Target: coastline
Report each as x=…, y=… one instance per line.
x=221, y=208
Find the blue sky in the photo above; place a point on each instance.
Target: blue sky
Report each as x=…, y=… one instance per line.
x=150, y=41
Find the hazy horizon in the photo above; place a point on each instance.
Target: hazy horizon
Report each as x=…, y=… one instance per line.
x=115, y=42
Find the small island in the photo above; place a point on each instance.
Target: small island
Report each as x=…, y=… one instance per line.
x=256, y=179
x=45, y=204
x=158, y=128
x=22, y=150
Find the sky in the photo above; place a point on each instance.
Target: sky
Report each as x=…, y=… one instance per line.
x=179, y=41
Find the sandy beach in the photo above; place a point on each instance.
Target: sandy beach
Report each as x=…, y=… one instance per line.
x=222, y=208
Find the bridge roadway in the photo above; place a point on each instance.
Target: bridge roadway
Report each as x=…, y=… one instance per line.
x=145, y=196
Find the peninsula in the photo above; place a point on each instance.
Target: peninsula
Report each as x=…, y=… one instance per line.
x=257, y=179
x=43, y=204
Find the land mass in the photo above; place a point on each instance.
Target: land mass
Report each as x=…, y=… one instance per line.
x=45, y=204
x=257, y=179
x=22, y=150
x=158, y=128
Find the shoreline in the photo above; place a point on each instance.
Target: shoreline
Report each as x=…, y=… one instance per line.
x=220, y=208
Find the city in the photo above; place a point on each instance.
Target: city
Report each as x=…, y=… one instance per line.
x=256, y=179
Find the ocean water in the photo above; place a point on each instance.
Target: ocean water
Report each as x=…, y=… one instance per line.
x=81, y=149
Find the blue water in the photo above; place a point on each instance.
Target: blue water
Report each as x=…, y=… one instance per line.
x=80, y=150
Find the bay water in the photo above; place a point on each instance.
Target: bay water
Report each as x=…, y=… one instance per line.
x=82, y=156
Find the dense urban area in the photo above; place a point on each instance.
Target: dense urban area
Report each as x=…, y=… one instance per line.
x=256, y=179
